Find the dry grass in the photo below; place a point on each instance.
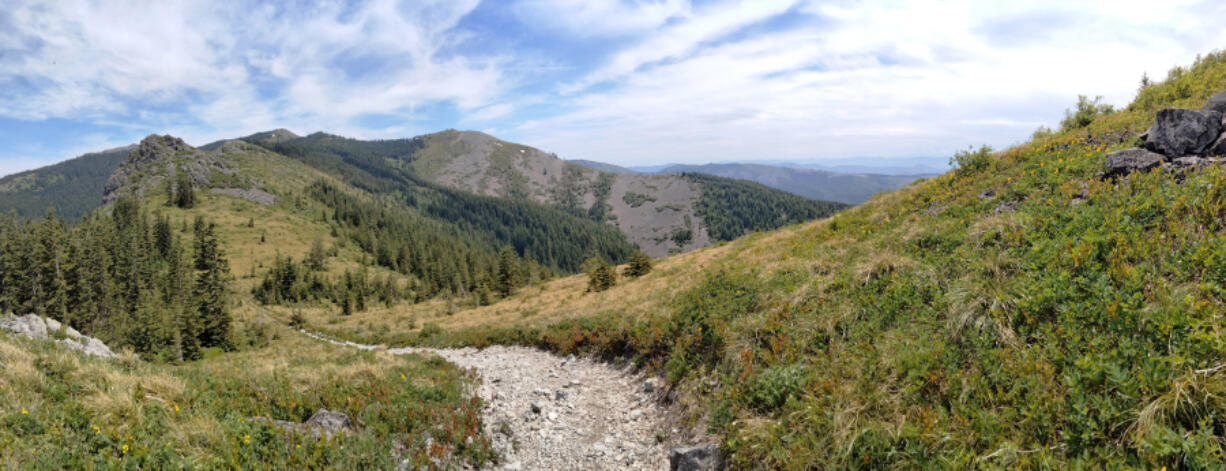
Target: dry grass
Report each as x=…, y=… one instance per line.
x=538, y=305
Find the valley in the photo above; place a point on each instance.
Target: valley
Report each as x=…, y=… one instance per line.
x=453, y=300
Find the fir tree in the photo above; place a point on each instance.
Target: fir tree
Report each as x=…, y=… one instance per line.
x=600, y=275
x=162, y=236
x=210, y=288
x=509, y=277
x=640, y=264
x=184, y=194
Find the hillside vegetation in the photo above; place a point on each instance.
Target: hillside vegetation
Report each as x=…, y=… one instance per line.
x=61, y=410
x=73, y=187
x=1019, y=311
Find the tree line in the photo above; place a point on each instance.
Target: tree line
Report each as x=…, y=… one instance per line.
x=127, y=277
x=731, y=208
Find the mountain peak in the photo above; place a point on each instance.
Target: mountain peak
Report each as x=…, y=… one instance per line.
x=153, y=156
x=271, y=137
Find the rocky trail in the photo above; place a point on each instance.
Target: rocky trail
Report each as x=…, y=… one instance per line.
x=544, y=412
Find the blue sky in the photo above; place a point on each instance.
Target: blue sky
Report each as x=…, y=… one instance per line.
x=627, y=82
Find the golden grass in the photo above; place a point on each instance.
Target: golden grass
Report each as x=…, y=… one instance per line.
x=543, y=304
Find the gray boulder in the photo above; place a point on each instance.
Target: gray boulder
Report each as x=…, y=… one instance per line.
x=695, y=458
x=39, y=328
x=1219, y=147
x=329, y=422
x=1193, y=161
x=1216, y=103
x=324, y=423
x=31, y=326
x=1127, y=161
x=1178, y=132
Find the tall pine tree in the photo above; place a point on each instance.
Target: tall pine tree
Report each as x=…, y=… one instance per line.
x=210, y=290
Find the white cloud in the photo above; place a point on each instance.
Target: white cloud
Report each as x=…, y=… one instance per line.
x=709, y=24
x=887, y=79
x=490, y=112
x=214, y=69
x=717, y=80
x=587, y=18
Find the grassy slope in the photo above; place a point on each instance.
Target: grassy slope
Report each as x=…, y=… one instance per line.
x=278, y=373
x=1078, y=326
x=288, y=228
x=61, y=410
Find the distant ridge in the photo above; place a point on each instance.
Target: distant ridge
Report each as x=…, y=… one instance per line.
x=851, y=188
x=611, y=168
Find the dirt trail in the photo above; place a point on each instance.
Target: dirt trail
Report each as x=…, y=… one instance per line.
x=544, y=412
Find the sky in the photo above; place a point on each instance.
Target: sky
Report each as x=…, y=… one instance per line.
x=625, y=82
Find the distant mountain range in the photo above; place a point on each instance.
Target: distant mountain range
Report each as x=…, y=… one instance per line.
x=852, y=183
x=459, y=179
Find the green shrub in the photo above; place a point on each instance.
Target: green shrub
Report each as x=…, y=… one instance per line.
x=971, y=160
x=1086, y=112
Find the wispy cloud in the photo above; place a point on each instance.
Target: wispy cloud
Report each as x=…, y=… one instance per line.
x=878, y=79
x=624, y=81
x=708, y=24
x=601, y=17
x=214, y=69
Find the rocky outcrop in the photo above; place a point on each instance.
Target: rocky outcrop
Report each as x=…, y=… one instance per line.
x=39, y=328
x=151, y=155
x=1216, y=103
x=1178, y=132
x=1178, y=139
x=695, y=458
x=158, y=158
x=324, y=423
x=1130, y=160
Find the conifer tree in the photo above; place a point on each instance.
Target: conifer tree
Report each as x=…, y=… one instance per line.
x=600, y=275
x=162, y=236
x=509, y=277
x=640, y=264
x=316, y=259
x=184, y=194
x=210, y=289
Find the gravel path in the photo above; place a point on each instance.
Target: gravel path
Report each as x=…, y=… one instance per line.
x=544, y=412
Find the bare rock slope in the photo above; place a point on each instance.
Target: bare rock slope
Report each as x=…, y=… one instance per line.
x=656, y=212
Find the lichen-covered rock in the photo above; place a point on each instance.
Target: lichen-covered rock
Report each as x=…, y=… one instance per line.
x=1216, y=103
x=1218, y=148
x=329, y=422
x=695, y=458
x=324, y=423
x=1131, y=160
x=1178, y=132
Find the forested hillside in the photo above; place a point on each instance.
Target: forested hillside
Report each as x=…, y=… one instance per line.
x=1022, y=311
x=128, y=277
x=73, y=187
x=657, y=213
x=559, y=240
x=733, y=208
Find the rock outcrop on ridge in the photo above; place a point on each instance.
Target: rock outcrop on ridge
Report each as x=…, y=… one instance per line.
x=1179, y=138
